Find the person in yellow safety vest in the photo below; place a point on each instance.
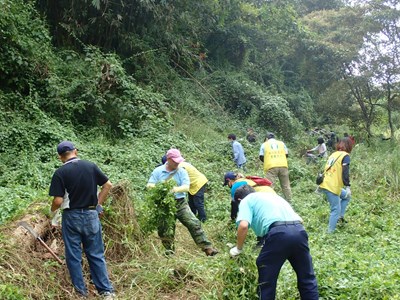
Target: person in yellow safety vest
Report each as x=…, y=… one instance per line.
x=273, y=154
x=336, y=182
x=197, y=188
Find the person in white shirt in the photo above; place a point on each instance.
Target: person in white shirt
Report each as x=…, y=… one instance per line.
x=320, y=148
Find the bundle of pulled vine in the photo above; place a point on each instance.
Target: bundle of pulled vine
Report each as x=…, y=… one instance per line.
x=122, y=233
x=160, y=205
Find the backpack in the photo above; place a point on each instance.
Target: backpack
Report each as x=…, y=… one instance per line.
x=260, y=181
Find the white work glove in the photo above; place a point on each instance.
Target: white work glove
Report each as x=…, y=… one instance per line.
x=235, y=251
x=180, y=189
x=56, y=218
x=348, y=192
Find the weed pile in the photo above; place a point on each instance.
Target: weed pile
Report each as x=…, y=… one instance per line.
x=121, y=229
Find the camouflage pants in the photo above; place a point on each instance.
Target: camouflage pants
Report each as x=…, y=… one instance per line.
x=166, y=227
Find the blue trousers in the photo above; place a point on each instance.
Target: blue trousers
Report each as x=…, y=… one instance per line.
x=83, y=228
x=286, y=242
x=338, y=205
x=196, y=204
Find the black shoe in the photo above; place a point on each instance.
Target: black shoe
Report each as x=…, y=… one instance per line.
x=210, y=251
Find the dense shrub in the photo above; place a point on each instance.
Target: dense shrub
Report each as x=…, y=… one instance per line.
x=25, y=49
x=275, y=115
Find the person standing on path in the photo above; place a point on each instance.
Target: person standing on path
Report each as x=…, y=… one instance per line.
x=273, y=154
x=284, y=238
x=336, y=183
x=238, y=152
x=74, y=187
x=171, y=170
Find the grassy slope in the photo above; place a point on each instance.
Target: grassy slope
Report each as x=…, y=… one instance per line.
x=359, y=261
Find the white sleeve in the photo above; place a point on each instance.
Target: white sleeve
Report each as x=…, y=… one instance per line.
x=261, y=150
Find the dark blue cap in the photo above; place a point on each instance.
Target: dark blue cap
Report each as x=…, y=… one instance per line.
x=65, y=146
x=229, y=176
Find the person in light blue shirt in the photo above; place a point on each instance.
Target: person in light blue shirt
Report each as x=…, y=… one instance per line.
x=179, y=175
x=238, y=152
x=166, y=230
x=284, y=238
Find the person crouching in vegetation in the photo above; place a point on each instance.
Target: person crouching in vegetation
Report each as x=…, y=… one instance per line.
x=336, y=183
x=321, y=148
x=251, y=136
x=285, y=238
x=170, y=170
x=234, y=180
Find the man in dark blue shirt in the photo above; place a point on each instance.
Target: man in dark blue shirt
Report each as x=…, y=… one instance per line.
x=74, y=188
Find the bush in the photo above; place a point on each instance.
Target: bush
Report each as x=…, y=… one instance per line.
x=25, y=48
x=275, y=115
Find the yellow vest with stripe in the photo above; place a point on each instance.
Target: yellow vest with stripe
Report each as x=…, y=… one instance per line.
x=274, y=155
x=197, y=179
x=333, y=179
x=257, y=188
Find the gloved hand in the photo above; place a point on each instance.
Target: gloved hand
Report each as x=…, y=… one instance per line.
x=348, y=192
x=52, y=213
x=235, y=251
x=180, y=189
x=99, y=210
x=55, y=218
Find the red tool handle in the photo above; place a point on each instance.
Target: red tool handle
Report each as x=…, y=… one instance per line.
x=51, y=251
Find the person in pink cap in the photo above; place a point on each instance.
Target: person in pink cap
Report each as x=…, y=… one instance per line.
x=171, y=170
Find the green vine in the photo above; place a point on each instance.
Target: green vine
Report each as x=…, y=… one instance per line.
x=161, y=205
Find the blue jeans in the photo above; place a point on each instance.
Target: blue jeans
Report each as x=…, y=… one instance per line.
x=196, y=203
x=286, y=242
x=83, y=228
x=338, y=204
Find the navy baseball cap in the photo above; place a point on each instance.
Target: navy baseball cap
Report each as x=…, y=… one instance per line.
x=65, y=146
x=229, y=176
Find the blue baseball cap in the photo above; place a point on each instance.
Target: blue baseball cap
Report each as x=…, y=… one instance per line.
x=65, y=146
x=229, y=176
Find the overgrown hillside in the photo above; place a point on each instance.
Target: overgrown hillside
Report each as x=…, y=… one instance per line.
x=128, y=80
